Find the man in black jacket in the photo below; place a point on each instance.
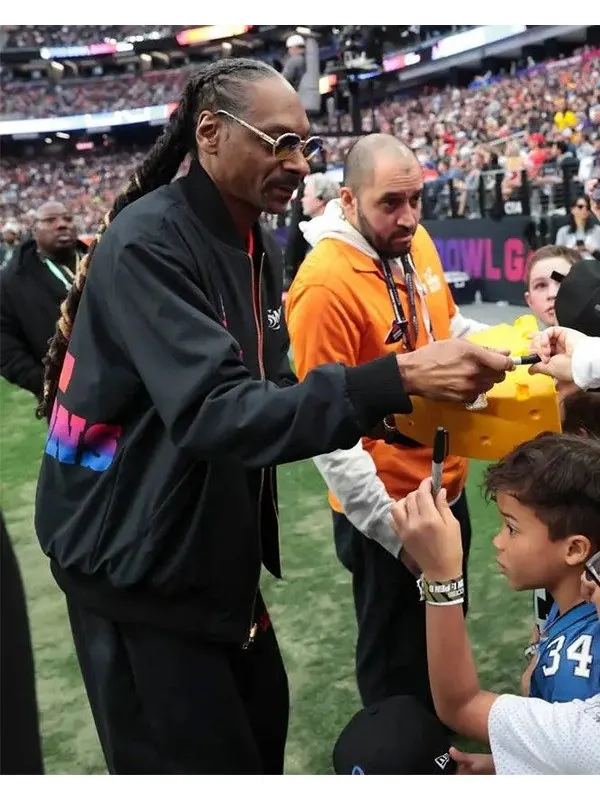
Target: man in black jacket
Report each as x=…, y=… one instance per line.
x=171, y=400
x=32, y=287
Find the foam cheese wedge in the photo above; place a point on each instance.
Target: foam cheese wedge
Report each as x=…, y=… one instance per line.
x=517, y=409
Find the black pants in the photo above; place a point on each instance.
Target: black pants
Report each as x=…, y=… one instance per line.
x=391, y=653
x=167, y=703
x=20, y=744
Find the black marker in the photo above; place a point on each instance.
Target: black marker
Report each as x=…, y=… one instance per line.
x=521, y=361
x=440, y=451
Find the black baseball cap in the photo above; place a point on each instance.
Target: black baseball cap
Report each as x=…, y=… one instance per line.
x=396, y=736
x=577, y=303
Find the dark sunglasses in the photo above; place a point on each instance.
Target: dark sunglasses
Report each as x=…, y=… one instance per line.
x=592, y=569
x=581, y=206
x=286, y=145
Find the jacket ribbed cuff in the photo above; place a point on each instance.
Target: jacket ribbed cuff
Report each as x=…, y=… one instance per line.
x=375, y=390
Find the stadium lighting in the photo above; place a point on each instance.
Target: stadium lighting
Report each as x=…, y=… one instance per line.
x=62, y=135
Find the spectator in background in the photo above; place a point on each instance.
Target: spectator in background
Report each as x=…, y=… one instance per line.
x=589, y=164
x=583, y=231
x=537, y=155
x=542, y=288
x=11, y=234
x=514, y=163
x=32, y=289
x=595, y=202
x=319, y=189
x=295, y=64
x=564, y=117
x=468, y=191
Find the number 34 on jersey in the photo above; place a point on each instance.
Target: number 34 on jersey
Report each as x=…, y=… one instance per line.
x=568, y=663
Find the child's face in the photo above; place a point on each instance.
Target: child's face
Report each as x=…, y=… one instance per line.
x=525, y=554
x=542, y=289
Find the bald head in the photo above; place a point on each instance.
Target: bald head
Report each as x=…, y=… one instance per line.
x=369, y=152
x=51, y=208
x=381, y=195
x=54, y=230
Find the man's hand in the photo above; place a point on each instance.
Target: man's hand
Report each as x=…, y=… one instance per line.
x=430, y=533
x=472, y=763
x=452, y=369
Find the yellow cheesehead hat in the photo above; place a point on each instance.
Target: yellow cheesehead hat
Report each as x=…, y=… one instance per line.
x=519, y=408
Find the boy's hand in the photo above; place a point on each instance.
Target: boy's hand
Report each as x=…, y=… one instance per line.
x=430, y=532
x=473, y=763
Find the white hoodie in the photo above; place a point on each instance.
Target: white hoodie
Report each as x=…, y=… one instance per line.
x=351, y=475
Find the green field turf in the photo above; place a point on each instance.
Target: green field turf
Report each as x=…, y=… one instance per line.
x=311, y=609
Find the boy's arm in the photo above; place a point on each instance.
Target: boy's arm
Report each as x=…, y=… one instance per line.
x=432, y=537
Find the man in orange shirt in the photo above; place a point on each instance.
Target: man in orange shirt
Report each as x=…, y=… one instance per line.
x=373, y=284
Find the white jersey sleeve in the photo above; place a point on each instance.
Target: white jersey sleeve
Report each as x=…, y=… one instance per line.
x=529, y=736
x=585, y=363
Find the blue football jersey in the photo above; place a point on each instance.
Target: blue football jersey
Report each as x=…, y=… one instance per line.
x=568, y=665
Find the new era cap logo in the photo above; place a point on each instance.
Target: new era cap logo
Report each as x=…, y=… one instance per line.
x=443, y=761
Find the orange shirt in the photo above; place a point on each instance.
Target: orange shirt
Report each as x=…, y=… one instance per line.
x=338, y=310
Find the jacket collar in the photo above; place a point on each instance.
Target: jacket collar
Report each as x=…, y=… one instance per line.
x=27, y=252
x=209, y=207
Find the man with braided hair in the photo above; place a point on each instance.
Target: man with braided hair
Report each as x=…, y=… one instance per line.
x=170, y=401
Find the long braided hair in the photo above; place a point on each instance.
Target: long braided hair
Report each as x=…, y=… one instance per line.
x=220, y=85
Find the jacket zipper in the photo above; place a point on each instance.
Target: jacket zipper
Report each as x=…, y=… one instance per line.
x=253, y=627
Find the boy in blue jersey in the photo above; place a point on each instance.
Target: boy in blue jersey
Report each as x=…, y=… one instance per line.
x=548, y=493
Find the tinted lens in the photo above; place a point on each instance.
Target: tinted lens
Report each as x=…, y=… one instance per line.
x=313, y=147
x=286, y=146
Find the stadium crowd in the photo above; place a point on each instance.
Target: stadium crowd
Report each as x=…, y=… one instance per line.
x=91, y=96
x=537, y=120
x=61, y=35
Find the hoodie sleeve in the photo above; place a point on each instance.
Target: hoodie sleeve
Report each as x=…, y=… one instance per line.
x=462, y=327
x=351, y=475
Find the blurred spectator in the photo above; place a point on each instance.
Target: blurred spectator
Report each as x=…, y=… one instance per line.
x=583, y=231
x=319, y=189
x=295, y=64
x=589, y=164
x=564, y=117
x=11, y=234
x=595, y=202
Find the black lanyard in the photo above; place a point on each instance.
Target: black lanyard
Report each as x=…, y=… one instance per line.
x=400, y=326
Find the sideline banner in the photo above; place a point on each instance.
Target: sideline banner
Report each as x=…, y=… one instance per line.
x=492, y=252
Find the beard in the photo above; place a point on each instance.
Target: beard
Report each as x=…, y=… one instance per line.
x=382, y=246
x=63, y=254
